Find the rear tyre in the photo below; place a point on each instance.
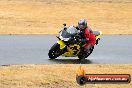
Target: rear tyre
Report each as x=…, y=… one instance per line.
x=89, y=51
x=81, y=57
x=85, y=54
x=54, y=52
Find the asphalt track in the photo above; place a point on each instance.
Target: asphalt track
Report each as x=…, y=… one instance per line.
x=33, y=49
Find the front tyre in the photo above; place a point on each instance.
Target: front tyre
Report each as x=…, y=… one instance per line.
x=54, y=52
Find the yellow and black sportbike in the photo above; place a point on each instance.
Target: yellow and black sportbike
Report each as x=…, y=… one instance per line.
x=68, y=45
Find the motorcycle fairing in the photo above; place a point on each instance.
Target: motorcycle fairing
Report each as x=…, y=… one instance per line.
x=61, y=43
x=72, y=51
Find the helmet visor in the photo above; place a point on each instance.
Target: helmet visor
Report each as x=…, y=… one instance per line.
x=81, y=27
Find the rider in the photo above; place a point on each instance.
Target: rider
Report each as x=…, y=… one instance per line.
x=87, y=36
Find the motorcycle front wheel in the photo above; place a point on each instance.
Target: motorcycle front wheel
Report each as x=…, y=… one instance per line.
x=54, y=52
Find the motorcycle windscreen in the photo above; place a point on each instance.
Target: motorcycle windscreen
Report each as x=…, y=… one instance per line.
x=65, y=34
x=69, y=32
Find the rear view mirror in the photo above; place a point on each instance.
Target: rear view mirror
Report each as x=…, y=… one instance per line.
x=64, y=24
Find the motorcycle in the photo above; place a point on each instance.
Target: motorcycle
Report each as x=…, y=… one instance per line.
x=68, y=45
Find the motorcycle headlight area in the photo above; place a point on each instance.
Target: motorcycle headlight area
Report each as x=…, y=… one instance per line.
x=64, y=39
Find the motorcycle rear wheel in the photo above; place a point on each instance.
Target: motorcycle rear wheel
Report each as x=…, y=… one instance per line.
x=84, y=55
x=90, y=51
